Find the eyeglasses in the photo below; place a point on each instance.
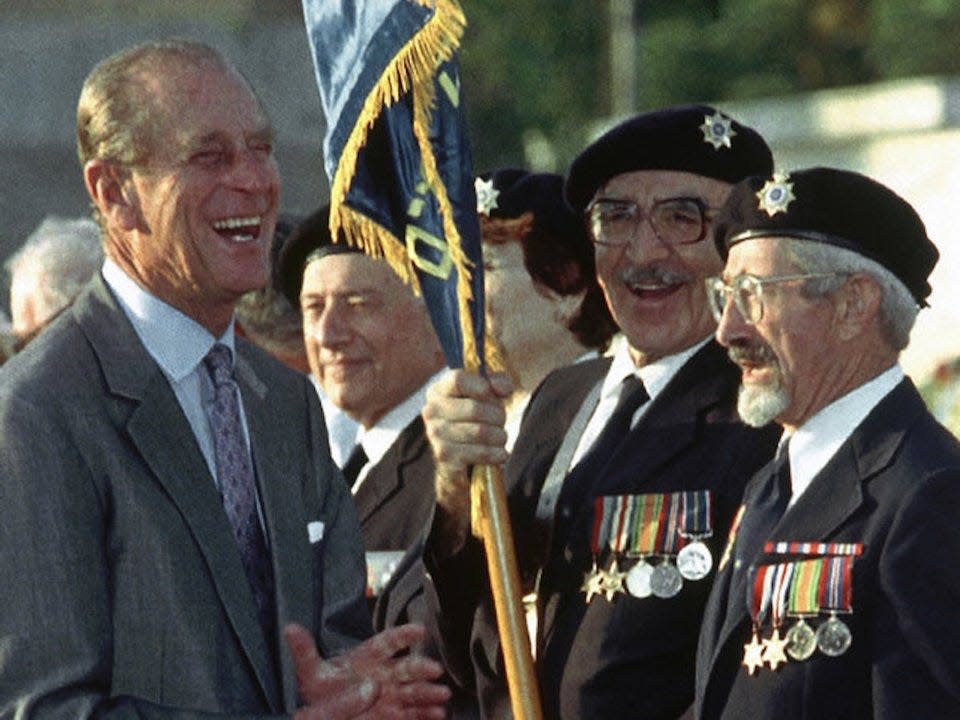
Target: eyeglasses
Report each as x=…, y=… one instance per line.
x=747, y=293
x=675, y=221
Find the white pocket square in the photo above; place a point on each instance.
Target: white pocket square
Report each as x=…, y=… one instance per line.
x=315, y=531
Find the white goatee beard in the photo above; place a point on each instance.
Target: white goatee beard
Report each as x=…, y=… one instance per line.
x=759, y=405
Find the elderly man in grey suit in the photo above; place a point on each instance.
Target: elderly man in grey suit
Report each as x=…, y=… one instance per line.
x=169, y=508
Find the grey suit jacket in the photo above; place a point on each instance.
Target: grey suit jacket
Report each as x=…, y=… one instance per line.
x=122, y=589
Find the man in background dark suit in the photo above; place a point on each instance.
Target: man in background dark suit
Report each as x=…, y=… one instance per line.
x=838, y=597
x=648, y=190
x=169, y=503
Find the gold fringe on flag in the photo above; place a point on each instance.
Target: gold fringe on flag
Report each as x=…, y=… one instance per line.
x=413, y=70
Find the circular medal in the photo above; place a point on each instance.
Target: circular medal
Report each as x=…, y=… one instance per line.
x=834, y=637
x=665, y=580
x=801, y=641
x=638, y=580
x=694, y=561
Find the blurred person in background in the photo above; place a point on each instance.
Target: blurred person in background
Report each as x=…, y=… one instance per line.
x=544, y=308
x=48, y=271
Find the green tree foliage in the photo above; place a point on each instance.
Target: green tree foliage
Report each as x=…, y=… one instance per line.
x=533, y=66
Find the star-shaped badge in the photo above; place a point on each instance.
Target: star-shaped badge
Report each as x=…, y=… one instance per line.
x=774, y=650
x=753, y=654
x=776, y=195
x=592, y=583
x=613, y=581
x=487, y=196
x=717, y=130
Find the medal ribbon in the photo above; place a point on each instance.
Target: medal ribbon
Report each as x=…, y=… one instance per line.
x=671, y=528
x=781, y=592
x=696, y=517
x=646, y=528
x=623, y=507
x=837, y=589
x=804, y=594
x=599, y=517
x=812, y=548
x=762, y=591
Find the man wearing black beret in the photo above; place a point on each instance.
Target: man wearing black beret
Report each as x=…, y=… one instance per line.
x=836, y=597
x=627, y=470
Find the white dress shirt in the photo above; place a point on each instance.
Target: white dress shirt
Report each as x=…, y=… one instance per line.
x=377, y=440
x=655, y=377
x=815, y=442
x=178, y=344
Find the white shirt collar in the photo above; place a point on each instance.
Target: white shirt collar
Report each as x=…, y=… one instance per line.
x=815, y=442
x=655, y=376
x=378, y=439
x=176, y=342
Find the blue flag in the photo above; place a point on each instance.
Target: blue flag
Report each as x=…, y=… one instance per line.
x=396, y=152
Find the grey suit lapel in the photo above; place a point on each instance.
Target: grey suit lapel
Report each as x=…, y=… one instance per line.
x=165, y=440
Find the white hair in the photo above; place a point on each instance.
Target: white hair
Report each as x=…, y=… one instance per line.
x=61, y=254
x=898, y=307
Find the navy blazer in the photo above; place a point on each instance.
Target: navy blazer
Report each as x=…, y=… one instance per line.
x=893, y=486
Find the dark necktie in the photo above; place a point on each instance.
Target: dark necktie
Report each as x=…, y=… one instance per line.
x=583, y=476
x=238, y=485
x=354, y=464
x=762, y=514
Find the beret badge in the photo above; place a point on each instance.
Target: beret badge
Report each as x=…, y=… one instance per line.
x=486, y=196
x=717, y=130
x=776, y=195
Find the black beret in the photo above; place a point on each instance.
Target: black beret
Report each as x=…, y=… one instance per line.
x=308, y=240
x=836, y=207
x=697, y=139
x=515, y=192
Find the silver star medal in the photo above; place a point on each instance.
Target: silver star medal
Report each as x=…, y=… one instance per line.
x=717, y=130
x=776, y=195
x=487, y=196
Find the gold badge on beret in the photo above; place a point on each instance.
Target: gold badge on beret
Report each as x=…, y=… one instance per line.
x=487, y=196
x=776, y=194
x=717, y=130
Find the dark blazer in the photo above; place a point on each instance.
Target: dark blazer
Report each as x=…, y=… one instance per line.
x=395, y=499
x=123, y=586
x=395, y=503
x=895, y=487
x=629, y=657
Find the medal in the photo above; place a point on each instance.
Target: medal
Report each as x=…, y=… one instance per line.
x=758, y=600
x=774, y=650
x=803, y=601
x=665, y=580
x=611, y=581
x=834, y=637
x=694, y=561
x=594, y=579
x=801, y=641
x=592, y=582
x=753, y=654
x=638, y=579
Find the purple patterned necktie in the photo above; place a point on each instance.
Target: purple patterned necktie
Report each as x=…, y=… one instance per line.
x=237, y=484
